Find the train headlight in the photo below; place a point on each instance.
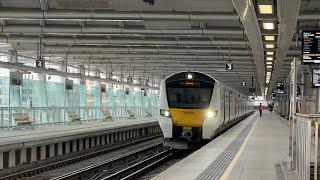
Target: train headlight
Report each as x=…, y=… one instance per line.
x=189, y=76
x=211, y=114
x=165, y=113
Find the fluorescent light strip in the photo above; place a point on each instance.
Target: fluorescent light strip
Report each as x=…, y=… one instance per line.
x=270, y=53
x=269, y=46
x=269, y=58
x=268, y=26
x=269, y=38
x=265, y=9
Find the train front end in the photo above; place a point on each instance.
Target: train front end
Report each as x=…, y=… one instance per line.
x=185, y=106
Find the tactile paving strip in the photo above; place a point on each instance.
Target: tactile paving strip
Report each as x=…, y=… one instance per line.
x=217, y=167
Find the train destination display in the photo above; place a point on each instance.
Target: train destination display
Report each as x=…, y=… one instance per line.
x=315, y=77
x=310, y=47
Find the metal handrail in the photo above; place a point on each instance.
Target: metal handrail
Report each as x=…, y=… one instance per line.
x=306, y=131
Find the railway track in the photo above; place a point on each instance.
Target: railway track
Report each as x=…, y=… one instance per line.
x=56, y=165
x=96, y=171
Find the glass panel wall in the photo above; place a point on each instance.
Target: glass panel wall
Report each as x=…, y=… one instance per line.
x=47, y=100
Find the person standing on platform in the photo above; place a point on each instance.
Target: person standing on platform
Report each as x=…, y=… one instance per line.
x=260, y=109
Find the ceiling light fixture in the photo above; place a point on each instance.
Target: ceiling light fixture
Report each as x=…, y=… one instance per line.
x=270, y=53
x=270, y=63
x=269, y=58
x=269, y=38
x=269, y=46
x=269, y=67
x=265, y=9
x=268, y=26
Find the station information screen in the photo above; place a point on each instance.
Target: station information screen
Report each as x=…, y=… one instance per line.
x=280, y=87
x=310, y=47
x=315, y=77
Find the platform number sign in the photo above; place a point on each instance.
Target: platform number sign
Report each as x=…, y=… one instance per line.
x=40, y=63
x=229, y=66
x=243, y=83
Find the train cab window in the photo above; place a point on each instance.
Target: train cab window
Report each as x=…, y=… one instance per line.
x=196, y=96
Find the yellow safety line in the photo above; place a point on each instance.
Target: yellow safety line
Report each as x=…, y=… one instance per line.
x=236, y=157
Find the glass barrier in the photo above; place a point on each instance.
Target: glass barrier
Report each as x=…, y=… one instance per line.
x=59, y=115
x=49, y=103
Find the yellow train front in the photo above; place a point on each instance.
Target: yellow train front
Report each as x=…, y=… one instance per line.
x=194, y=106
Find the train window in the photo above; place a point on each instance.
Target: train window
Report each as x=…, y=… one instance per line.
x=189, y=97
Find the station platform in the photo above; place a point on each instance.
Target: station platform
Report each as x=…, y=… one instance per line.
x=20, y=146
x=252, y=149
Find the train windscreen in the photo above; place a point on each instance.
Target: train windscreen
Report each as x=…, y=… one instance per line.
x=189, y=98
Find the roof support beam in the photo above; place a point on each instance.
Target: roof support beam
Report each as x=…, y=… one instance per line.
x=249, y=19
x=106, y=30
x=219, y=42
x=89, y=15
x=288, y=11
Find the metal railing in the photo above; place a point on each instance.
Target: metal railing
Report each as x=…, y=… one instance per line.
x=59, y=115
x=305, y=155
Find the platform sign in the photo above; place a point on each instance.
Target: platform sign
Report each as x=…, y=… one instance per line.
x=316, y=78
x=229, y=66
x=310, y=47
x=68, y=84
x=16, y=79
x=103, y=88
x=243, y=83
x=280, y=87
x=127, y=90
x=252, y=89
x=39, y=63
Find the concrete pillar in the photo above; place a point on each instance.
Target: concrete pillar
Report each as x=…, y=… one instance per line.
x=74, y=146
x=98, y=141
x=51, y=151
x=1, y=160
x=80, y=145
x=120, y=136
x=60, y=148
x=23, y=155
x=103, y=140
x=92, y=142
x=67, y=147
x=87, y=143
x=34, y=153
x=116, y=138
x=112, y=138
x=108, y=139
x=12, y=158
x=43, y=152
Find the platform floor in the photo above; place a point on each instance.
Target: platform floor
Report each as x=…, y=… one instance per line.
x=250, y=150
x=43, y=132
x=266, y=147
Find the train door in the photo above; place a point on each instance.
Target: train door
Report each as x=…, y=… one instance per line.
x=226, y=105
x=223, y=104
x=235, y=104
x=230, y=103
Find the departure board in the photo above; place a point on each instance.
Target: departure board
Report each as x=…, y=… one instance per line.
x=315, y=77
x=310, y=47
x=280, y=87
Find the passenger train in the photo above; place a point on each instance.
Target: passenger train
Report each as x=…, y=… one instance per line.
x=194, y=107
